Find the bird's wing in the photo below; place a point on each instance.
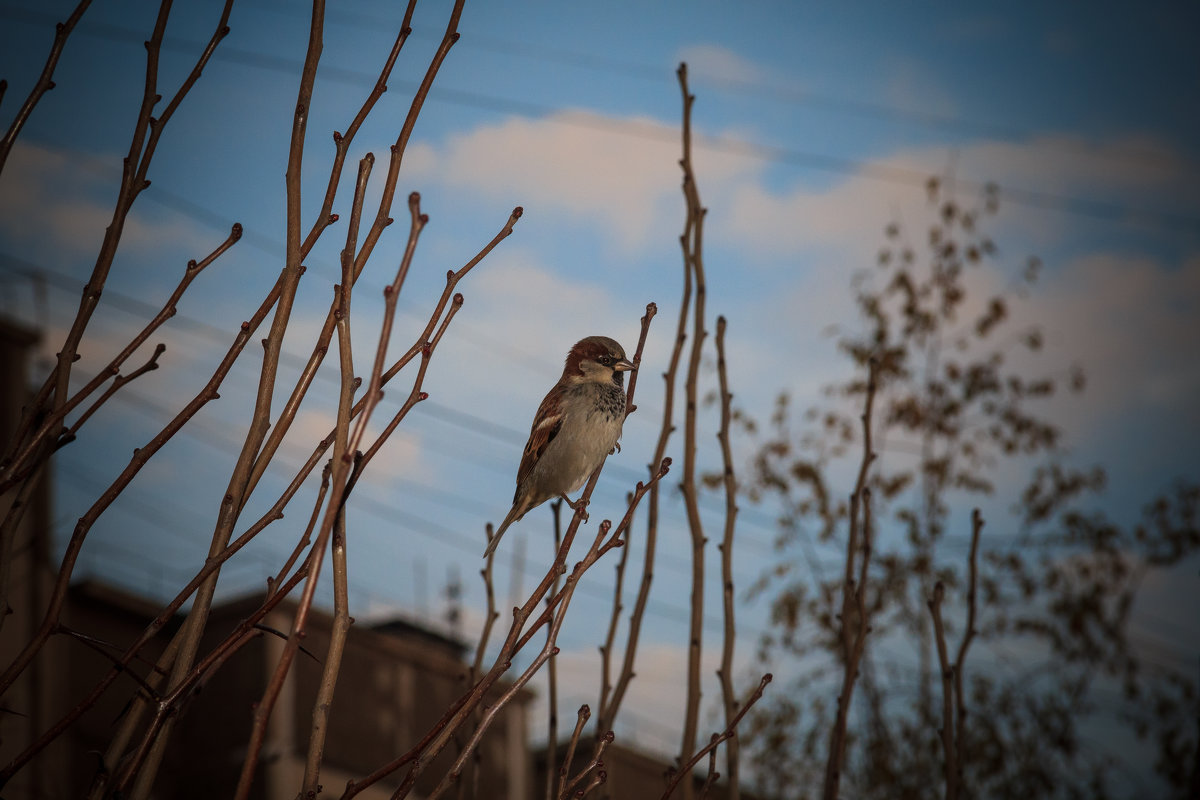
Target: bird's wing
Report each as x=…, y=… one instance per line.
x=546, y=425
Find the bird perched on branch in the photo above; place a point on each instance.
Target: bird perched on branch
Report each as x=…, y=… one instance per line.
x=576, y=426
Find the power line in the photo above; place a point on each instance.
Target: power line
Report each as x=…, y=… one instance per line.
x=546, y=53
x=1102, y=210
x=463, y=420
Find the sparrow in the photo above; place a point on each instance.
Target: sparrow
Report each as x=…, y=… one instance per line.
x=575, y=428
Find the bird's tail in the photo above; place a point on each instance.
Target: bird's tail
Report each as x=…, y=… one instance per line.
x=513, y=516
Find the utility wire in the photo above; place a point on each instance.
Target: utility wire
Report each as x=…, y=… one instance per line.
x=1092, y=208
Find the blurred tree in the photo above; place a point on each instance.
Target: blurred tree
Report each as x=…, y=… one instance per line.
x=959, y=402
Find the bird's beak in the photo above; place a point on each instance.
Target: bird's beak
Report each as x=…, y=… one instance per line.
x=624, y=365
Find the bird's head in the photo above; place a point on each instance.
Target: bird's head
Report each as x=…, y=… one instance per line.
x=597, y=359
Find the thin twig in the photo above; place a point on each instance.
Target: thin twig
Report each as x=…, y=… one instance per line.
x=341, y=598
x=552, y=670
x=601, y=545
x=854, y=607
x=692, y=244
x=596, y=765
x=585, y=713
x=341, y=469
x=437, y=738
x=118, y=382
x=607, y=714
x=960, y=701
x=45, y=81
x=947, y=731
x=730, y=731
x=18, y=465
x=725, y=673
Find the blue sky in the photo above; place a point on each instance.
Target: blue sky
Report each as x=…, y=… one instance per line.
x=815, y=127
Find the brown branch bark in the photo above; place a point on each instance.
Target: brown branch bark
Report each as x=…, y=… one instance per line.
x=947, y=670
x=730, y=731
x=692, y=244
x=518, y=635
x=725, y=673
x=854, y=622
x=611, y=703
x=341, y=597
x=44, y=83
x=339, y=483
x=552, y=671
x=960, y=700
x=585, y=713
x=601, y=545
x=594, y=768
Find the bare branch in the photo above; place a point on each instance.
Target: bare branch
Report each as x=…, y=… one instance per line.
x=437, y=738
x=725, y=673
x=44, y=82
x=596, y=765
x=960, y=701
x=854, y=623
x=729, y=732
x=947, y=730
x=581, y=719
x=692, y=244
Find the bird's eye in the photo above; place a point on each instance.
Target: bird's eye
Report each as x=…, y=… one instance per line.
x=606, y=360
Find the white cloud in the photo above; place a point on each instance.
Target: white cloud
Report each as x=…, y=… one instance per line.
x=47, y=198
x=575, y=163
x=652, y=711
x=1132, y=325
x=849, y=214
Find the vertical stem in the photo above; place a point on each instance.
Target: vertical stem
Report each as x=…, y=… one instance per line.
x=341, y=598
x=608, y=712
x=193, y=627
x=960, y=702
x=691, y=242
x=552, y=675
x=729, y=699
x=333, y=660
x=44, y=82
x=947, y=670
x=854, y=607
